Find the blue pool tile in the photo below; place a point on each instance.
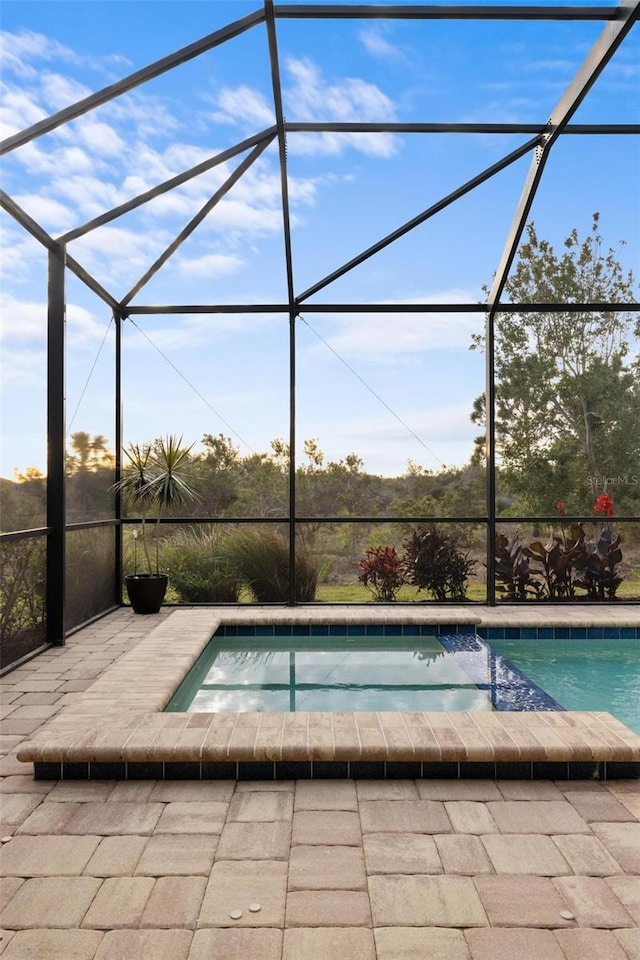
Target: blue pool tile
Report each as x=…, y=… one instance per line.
x=301, y=630
x=482, y=632
x=595, y=633
x=578, y=633
x=319, y=630
x=412, y=630
x=282, y=630
x=561, y=633
x=338, y=630
x=512, y=633
x=611, y=633
x=46, y=770
x=495, y=633
x=264, y=631
x=330, y=769
x=108, y=771
x=230, y=630
x=246, y=632
x=629, y=633
x=529, y=633
x=293, y=769
x=545, y=633
x=353, y=630
x=375, y=630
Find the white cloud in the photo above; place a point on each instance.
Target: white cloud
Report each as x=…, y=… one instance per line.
x=375, y=43
x=308, y=96
x=241, y=104
x=210, y=266
x=387, y=338
x=25, y=322
x=50, y=214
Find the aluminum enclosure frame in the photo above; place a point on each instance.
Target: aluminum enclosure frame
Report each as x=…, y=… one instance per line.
x=618, y=21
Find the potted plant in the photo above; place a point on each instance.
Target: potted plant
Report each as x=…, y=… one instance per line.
x=153, y=481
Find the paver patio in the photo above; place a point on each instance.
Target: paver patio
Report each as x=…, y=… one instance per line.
x=343, y=870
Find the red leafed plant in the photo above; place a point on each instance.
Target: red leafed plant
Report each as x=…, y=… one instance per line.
x=382, y=571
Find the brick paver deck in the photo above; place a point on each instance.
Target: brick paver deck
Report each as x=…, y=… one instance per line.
x=370, y=869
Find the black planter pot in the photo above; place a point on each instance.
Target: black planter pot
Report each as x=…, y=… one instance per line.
x=146, y=591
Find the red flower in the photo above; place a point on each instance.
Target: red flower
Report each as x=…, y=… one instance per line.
x=560, y=504
x=604, y=504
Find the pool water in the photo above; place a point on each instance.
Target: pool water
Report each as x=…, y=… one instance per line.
x=355, y=673
x=583, y=674
x=349, y=674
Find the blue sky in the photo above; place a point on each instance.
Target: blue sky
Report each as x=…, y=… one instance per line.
x=346, y=192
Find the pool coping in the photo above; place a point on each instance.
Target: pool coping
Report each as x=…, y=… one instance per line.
x=116, y=728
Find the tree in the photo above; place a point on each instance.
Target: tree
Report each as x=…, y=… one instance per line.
x=567, y=384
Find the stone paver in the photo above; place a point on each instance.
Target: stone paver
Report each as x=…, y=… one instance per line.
x=622, y=840
x=328, y=908
x=243, y=944
x=593, y=902
x=50, y=902
x=145, y=945
x=8, y=886
x=590, y=945
x=529, y=790
x=627, y=890
x=116, y=857
x=177, y=855
x=119, y=903
x=496, y=944
x=327, y=795
x=385, y=790
x=234, y=885
x=261, y=807
x=525, y=853
x=425, y=901
x=174, y=902
x=401, y=853
x=404, y=816
x=255, y=841
x=53, y=945
x=630, y=942
x=46, y=856
x=463, y=855
x=328, y=943
x=48, y=818
x=600, y=806
x=327, y=868
x=176, y=791
x=470, y=816
x=81, y=791
x=110, y=819
x=417, y=943
x=537, y=816
x=586, y=855
x=192, y=817
x=25, y=784
x=339, y=827
x=516, y=901
x=481, y=790
x=16, y=807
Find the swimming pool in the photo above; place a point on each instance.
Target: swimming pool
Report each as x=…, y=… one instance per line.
x=353, y=673
x=583, y=674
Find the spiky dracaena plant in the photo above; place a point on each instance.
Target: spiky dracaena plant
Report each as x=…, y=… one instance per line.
x=153, y=482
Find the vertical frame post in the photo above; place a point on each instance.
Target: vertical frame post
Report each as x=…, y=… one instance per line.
x=292, y=458
x=56, y=504
x=118, y=321
x=490, y=432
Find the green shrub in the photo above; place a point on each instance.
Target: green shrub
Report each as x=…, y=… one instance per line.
x=199, y=566
x=434, y=563
x=261, y=558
